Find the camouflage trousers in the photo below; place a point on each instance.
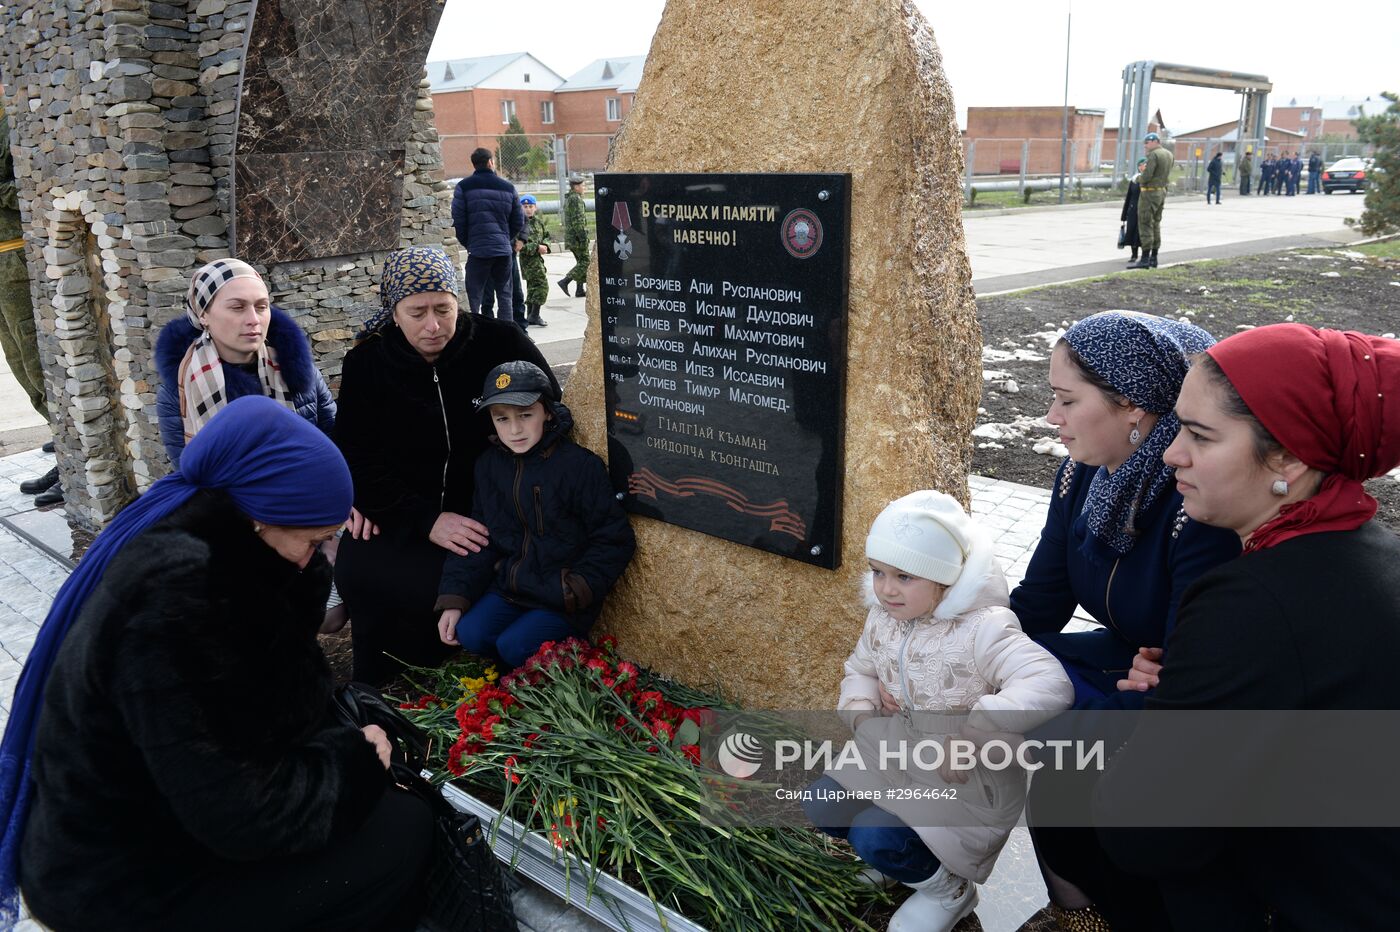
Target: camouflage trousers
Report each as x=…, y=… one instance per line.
x=579, y=273
x=536, y=280
x=1150, y=204
x=17, y=334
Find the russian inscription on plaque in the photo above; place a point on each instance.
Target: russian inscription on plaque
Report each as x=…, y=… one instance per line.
x=724, y=349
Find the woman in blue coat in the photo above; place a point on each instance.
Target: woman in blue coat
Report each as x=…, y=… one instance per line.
x=1116, y=542
x=230, y=343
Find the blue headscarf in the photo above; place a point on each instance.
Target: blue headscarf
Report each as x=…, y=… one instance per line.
x=1145, y=359
x=408, y=272
x=277, y=468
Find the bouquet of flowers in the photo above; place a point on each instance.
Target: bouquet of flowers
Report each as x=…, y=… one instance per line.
x=605, y=759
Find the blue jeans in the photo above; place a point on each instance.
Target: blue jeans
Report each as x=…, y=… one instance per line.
x=1213, y=185
x=880, y=838
x=1314, y=181
x=490, y=272
x=494, y=627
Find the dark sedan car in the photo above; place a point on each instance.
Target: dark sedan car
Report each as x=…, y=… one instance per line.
x=1346, y=173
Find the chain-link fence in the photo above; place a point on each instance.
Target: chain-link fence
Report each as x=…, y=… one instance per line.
x=536, y=163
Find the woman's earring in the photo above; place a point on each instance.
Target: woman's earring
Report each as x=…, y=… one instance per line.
x=1280, y=487
x=1135, y=437
x=257, y=528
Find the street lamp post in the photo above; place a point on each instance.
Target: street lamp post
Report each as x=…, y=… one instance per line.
x=1064, y=117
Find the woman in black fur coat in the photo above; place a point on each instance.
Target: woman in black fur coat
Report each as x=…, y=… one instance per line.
x=187, y=771
x=411, y=435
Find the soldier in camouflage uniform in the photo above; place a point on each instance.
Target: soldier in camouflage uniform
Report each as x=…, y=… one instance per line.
x=1153, y=185
x=17, y=335
x=576, y=236
x=532, y=261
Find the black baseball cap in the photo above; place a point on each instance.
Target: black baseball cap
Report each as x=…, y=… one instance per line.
x=517, y=383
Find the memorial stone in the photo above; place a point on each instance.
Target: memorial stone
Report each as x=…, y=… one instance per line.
x=743, y=91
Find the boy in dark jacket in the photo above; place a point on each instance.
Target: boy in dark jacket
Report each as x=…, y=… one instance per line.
x=559, y=538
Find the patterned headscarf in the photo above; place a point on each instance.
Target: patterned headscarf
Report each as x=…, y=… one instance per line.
x=206, y=283
x=202, y=389
x=409, y=272
x=1145, y=359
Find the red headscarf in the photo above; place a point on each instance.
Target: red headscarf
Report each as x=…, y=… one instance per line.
x=1332, y=398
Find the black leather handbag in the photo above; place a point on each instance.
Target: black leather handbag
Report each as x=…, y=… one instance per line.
x=465, y=890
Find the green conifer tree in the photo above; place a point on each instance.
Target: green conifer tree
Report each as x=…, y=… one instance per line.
x=511, y=149
x=1382, y=214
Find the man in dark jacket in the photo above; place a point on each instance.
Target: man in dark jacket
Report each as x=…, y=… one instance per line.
x=1314, y=173
x=1214, y=171
x=487, y=217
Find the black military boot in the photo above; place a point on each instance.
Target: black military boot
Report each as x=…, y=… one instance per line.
x=535, y=320
x=580, y=292
x=53, y=496
x=1154, y=258
x=42, y=484
x=564, y=285
x=1145, y=262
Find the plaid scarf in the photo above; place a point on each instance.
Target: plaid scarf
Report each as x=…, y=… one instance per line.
x=202, y=389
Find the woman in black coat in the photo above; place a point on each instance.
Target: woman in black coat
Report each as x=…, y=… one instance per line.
x=187, y=771
x=1129, y=215
x=411, y=436
x=1307, y=618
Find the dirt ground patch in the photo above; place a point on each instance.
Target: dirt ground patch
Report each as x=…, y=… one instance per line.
x=1352, y=289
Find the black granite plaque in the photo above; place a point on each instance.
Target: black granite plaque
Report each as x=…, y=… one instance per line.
x=724, y=351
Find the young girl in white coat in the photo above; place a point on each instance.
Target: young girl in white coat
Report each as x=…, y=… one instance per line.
x=939, y=638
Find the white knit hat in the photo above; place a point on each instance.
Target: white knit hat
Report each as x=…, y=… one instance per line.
x=924, y=534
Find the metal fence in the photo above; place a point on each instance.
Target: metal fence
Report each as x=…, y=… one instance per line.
x=1029, y=165
x=1193, y=154
x=537, y=163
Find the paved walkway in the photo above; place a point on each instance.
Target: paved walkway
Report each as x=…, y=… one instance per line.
x=1023, y=248
x=34, y=547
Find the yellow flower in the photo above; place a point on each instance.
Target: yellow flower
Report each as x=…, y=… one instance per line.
x=491, y=675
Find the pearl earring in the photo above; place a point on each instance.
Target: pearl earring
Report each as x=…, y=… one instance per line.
x=1280, y=487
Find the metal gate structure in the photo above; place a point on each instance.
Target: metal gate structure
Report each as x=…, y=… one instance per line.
x=1138, y=78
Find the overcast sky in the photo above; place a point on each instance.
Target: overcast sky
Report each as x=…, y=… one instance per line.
x=1012, y=52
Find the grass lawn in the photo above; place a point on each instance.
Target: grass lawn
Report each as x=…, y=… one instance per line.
x=1385, y=249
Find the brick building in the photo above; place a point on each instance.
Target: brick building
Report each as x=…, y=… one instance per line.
x=1223, y=136
x=1326, y=116
x=1000, y=134
x=592, y=105
x=474, y=99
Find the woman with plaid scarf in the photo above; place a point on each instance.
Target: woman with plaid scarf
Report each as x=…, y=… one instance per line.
x=230, y=343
